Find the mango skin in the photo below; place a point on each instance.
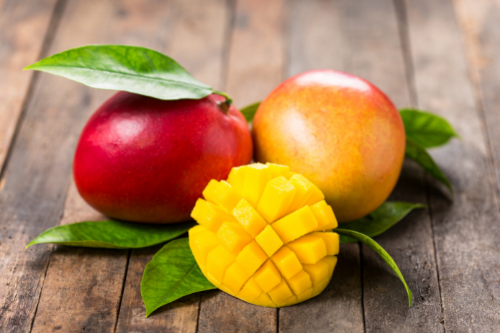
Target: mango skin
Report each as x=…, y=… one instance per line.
x=143, y=159
x=339, y=131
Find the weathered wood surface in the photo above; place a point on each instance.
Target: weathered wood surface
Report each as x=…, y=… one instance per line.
x=316, y=40
x=25, y=27
x=479, y=22
x=414, y=50
x=373, y=50
x=255, y=65
x=467, y=231
x=198, y=40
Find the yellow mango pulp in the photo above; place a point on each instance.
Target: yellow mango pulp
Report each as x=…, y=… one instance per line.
x=265, y=236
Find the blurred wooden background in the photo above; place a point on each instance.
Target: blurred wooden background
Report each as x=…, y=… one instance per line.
x=437, y=55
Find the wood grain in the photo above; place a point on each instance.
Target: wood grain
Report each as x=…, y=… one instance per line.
x=179, y=316
x=364, y=40
x=23, y=29
x=255, y=67
x=338, y=308
x=479, y=23
x=467, y=231
x=256, y=61
x=374, y=52
x=94, y=306
x=317, y=41
x=198, y=42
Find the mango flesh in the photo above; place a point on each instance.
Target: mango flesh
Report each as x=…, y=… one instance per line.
x=340, y=132
x=265, y=236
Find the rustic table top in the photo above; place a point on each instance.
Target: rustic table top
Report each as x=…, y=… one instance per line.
x=437, y=55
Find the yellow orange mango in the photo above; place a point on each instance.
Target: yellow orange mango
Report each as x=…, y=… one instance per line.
x=337, y=130
x=265, y=236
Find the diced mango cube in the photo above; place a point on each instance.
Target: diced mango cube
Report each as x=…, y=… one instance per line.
x=332, y=241
x=249, y=218
x=265, y=236
x=201, y=243
x=222, y=194
x=196, y=229
x=250, y=290
x=251, y=257
x=256, y=178
x=236, y=178
x=289, y=301
x=324, y=214
x=305, y=295
x=297, y=224
x=276, y=199
x=300, y=282
x=210, y=215
x=265, y=300
x=309, y=249
x=233, y=237
x=278, y=170
x=235, y=277
x=318, y=271
x=218, y=261
x=268, y=276
x=320, y=286
x=280, y=293
x=269, y=240
x=287, y=262
x=306, y=192
x=332, y=261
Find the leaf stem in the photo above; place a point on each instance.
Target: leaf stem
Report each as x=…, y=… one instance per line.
x=227, y=103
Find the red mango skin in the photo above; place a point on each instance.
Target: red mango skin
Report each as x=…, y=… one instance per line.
x=143, y=159
x=339, y=131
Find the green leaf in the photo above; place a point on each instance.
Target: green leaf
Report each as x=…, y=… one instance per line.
x=380, y=251
x=249, y=111
x=426, y=129
x=422, y=157
x=384, y=217
x=170, y=275
x=112, y=234
x=128, y=68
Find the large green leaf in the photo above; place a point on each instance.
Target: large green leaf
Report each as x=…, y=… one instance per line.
x=422, y=157
x=170, y=275
x=426, y=129
x=112, y=234
x=384, y=217
x=249, y=111
x=128, y=68
x=380, y=251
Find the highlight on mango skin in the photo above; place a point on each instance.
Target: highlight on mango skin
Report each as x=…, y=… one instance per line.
x=265, y=236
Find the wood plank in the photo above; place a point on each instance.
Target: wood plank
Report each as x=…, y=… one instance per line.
x=375, y=52
x=82, y=287
x=479, y=23
x=366, y=42
x=316, y=41
x=256, y=61
x=338, y=308
x=94, y=304
x=198, y=42
x=34, y=179
x=466, y=231
x=23, y=29
x=255, y=67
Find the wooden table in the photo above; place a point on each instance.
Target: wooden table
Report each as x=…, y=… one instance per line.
x=437, y=55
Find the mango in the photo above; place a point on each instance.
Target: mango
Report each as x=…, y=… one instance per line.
x=144, y=159
x=265, y=236
x=337, y=130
